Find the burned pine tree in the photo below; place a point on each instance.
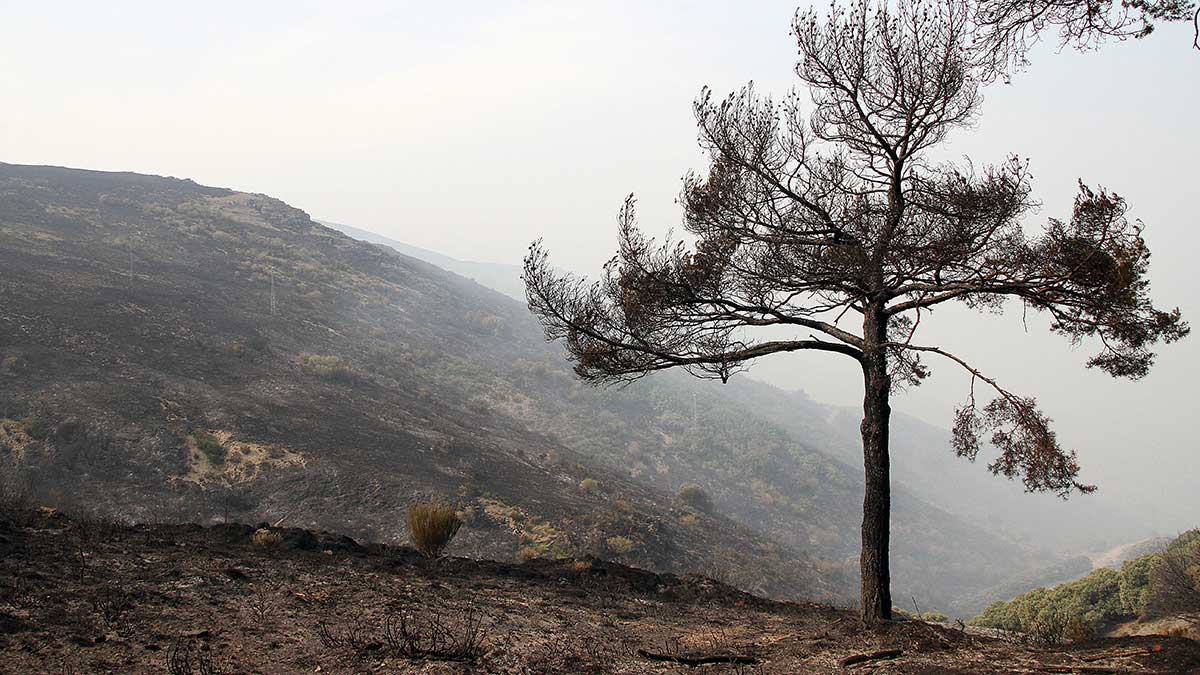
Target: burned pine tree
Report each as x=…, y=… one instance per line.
x=844, y=229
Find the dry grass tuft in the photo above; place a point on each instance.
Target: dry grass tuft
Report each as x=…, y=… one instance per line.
x=265, y=538
x=431, y=526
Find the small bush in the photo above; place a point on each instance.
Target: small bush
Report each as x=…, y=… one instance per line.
x=689, y=521
x=694, y=496
x=528, y=553
x=431, y=526
x=619, y=545
x=581, y=566
x=589, y=485
x=265, y=538
x=325, y=367
x=210, y=446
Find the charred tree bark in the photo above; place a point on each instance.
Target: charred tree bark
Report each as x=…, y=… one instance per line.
x=877, y=498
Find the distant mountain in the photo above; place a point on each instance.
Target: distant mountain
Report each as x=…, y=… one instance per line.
x=496, y=276
x=1115, y=556
x=170, y=350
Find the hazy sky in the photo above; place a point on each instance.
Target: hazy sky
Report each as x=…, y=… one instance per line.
x=474, y=129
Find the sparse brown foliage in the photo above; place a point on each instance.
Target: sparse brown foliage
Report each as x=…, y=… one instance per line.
x=431, y=526
x=800, y=222
x=1007, y=29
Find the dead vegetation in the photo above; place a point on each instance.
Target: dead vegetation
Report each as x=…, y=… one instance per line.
x=187, y=657
x=438, y=635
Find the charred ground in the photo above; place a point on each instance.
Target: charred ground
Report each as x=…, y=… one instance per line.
x=97, y=597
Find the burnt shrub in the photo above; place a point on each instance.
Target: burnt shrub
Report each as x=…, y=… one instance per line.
x=694, y=496
x=327, y=367
x=425, y=635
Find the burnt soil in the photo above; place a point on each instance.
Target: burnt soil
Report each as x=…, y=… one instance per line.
x=92, y=596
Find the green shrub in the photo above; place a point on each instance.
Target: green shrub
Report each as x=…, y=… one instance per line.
x=1135, y=583
x=431, y=526
x=1048, y=627
x=210, y=446
x=1071, y=611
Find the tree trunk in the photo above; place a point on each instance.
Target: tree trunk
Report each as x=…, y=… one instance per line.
x=877, y=499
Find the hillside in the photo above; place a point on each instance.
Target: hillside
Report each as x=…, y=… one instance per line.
x=87, y=596
x=175, y=352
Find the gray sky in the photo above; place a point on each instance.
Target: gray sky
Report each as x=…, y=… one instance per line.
x=473, y=129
